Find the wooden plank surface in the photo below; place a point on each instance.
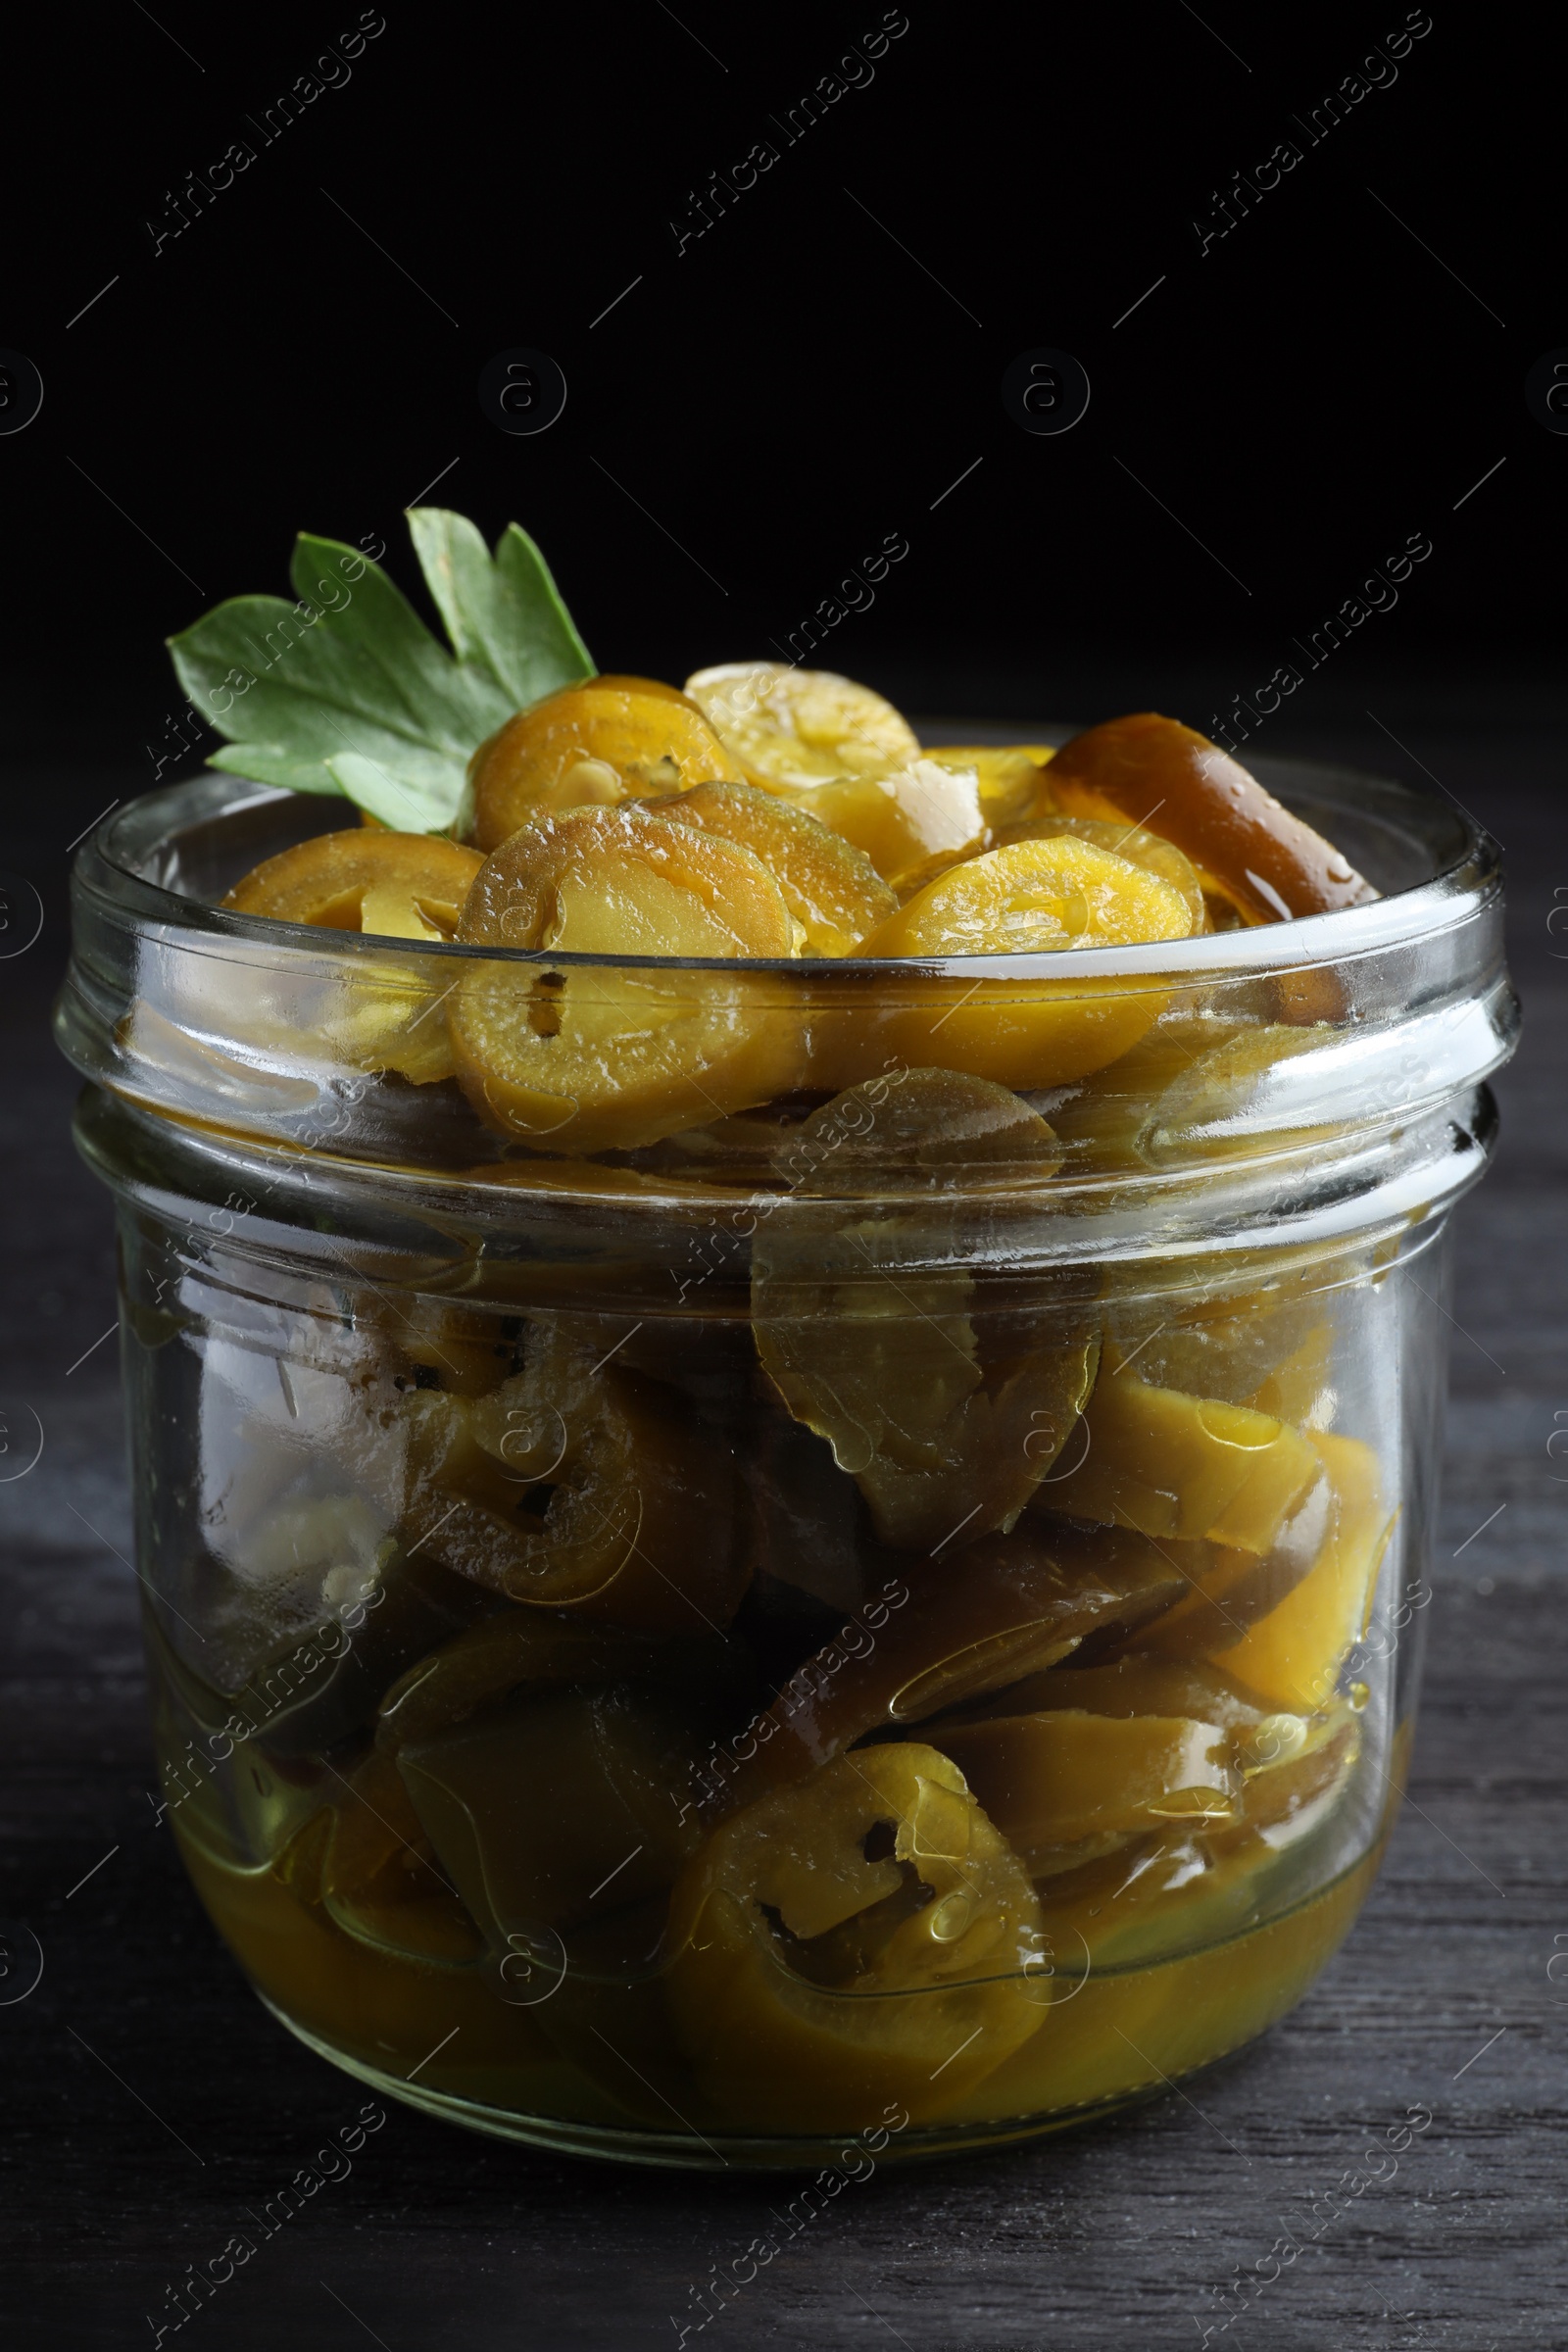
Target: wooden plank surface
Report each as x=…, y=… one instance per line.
x=150, y=2101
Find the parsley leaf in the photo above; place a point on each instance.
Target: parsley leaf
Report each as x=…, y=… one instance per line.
x=503, y=614
x=345, y=691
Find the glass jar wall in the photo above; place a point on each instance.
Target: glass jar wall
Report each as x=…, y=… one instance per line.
x=891, y=1608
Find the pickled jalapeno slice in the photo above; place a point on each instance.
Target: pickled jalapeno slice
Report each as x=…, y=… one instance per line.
x=575, y=1485
x=577, y=1060
x=380, y=1878
x=524, y=1647
x=607, y=740
x=1082, y=1756
x=1135, y=843
x=1155, y=772
x=910, y=824
x=414, y=883
x=832, y=890
x=380, y=1015
x=940, y=1634
x=1054, y=1781
x=797, y=1919
x=554, y=1809
x=1036, y=898
x=945, y=1420
x=1291, y=1655
x=789, y=726
x=1173, y=1465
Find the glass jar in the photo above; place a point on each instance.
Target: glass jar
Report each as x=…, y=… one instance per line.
x=894, y=1612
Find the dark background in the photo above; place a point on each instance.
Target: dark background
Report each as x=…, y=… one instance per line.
x=796, y=383
x=742, y=429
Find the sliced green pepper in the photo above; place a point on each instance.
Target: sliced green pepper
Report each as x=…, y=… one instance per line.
x=864, y=1936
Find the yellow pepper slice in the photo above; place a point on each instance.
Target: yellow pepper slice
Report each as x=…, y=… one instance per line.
x=1292, y=1657
x=1140, y=848
x=1035, y=898
x=597, y=743
x=1177, y=1890
x=1104, y=1121
x=863, y=1938
x=411, y=886
x=1293, y=1389
x=946, y=1433
x=1231, y=1098
x=800, y=726
x=1173, y=1465
x=1228, y=1590
x=620, y=882
x=1140, y=1681
x=1285, y=1801
x=1049, y=1781
x=1228, y=1344
x=840, y=754
x=1145, y=1794
x=831, y=889
x=416, y=882
x=1231, y=1589
x=390, y=1018
x=578, y=1060
x=1190, y=1746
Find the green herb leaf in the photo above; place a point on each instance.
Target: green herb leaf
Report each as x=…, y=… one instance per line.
x=408, y=802
x=503, y=614
x=347, y=691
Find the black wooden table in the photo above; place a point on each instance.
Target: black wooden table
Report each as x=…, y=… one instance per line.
x=151, y=2104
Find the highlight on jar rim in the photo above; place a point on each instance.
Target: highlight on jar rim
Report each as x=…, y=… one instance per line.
x=783, y=1446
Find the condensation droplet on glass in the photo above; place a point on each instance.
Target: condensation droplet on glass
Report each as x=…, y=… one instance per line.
x=951, y=1917
x=1229, y=1425
x=1278, y=1739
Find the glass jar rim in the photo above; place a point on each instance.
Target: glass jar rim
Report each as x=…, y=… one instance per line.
x=1400, y=1010
x=114, y=861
